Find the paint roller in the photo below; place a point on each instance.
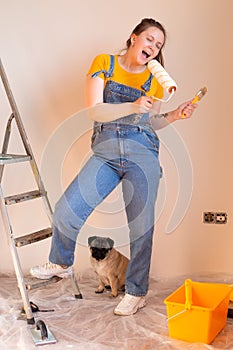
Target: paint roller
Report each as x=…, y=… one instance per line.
x=168, y=83
x=163, y=78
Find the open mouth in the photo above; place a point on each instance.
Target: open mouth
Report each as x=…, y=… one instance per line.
x=146, y=54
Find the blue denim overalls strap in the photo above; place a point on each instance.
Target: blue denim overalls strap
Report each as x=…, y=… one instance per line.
x=108, y=73
x=115, y=92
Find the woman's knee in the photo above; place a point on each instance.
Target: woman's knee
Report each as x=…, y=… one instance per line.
x=64, y=219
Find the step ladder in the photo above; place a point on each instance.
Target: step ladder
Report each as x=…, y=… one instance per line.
x=40, y=192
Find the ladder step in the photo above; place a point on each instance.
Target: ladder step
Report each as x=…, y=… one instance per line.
x=22, y=197
x=33, y=237
x=33, y=283
x=13, y=158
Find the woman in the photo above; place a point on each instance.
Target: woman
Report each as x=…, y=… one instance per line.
x=125, y=149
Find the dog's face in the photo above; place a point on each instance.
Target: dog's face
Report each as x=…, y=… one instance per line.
x=100, y=247
x=99, y=253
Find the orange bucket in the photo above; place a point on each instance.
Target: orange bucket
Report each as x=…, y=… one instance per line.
x=197, y=311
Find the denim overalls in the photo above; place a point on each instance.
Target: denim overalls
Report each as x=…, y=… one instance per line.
x=125, y=151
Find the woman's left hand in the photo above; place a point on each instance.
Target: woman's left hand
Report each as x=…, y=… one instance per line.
x=185, y=110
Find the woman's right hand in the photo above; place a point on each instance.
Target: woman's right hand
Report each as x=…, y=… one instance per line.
x=144, y=104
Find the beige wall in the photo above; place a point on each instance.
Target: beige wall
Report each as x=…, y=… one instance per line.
x=47, y=47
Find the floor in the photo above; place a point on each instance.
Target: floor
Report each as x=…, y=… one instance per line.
x=90, y=324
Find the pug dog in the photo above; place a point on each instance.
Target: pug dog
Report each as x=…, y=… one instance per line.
x=109, y=264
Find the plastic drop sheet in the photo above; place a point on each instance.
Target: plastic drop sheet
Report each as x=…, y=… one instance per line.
x=89, y=323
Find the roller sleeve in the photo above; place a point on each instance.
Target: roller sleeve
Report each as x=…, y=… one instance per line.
x=162, y=76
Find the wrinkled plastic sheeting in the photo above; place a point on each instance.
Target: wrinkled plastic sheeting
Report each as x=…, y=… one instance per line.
x=89, y=323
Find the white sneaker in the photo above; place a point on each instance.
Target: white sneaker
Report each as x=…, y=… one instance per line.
x=49, y=270
x=129, y=305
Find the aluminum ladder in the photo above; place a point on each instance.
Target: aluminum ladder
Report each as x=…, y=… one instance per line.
x=17, y=242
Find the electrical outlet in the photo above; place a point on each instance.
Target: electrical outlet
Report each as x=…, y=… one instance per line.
x=211, y=217
x=220, y=218
x=208, y=217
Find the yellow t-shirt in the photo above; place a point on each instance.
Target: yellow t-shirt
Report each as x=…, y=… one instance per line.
x=102, y=62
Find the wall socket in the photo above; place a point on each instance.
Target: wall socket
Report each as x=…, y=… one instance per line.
x=211, y=217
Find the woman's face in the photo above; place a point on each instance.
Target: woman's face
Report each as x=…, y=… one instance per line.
x=147, y=45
